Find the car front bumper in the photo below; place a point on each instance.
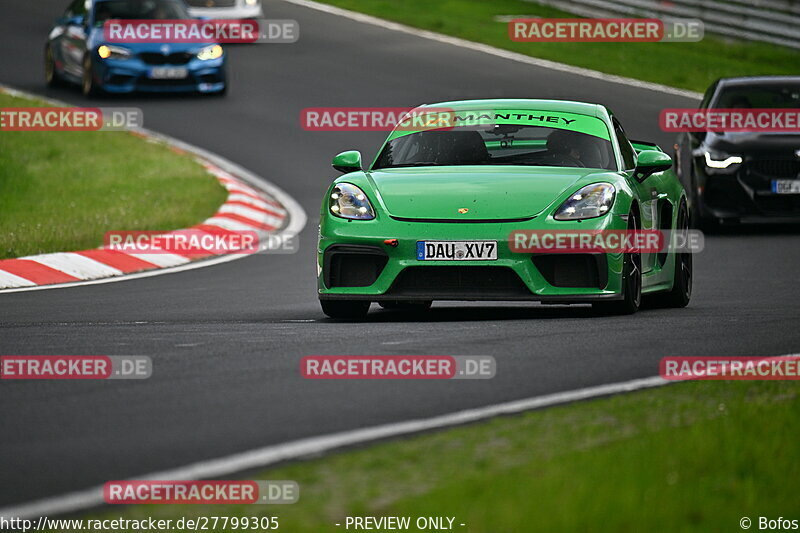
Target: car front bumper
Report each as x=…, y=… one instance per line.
x=744, y=194
x=134, y=75
x=355, y=263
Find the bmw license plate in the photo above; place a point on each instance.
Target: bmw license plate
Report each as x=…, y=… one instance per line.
x=457, y=250
x=786, y=186
x=169, y=73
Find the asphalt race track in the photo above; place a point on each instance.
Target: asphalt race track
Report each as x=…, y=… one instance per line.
x=226, y=340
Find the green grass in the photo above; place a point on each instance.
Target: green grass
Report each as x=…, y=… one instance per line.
x=688, y=457
x=61, y=191
x=685, y=65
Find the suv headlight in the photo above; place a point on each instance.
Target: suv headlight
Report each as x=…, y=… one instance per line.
x=210, y=52
x=592, y=201
x=348, y=201
x=718, y=160
x=107, y=51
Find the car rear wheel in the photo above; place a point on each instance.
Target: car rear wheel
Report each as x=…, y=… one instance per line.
x=681, y=291
x=348, y=309
x=631, y=282
x=51, y=76
x=88, y=85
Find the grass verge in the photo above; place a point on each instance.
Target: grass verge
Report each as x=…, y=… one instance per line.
x=685, y=65
x=61, y=191
x=689, y=457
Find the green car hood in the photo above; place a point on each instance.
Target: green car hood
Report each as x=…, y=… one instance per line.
x=489, y=193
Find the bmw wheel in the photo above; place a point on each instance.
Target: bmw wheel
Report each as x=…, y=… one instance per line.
x=51, y=76
x=88, y=85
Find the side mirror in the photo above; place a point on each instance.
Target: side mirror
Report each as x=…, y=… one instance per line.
x=349, y=161
x=649, y=162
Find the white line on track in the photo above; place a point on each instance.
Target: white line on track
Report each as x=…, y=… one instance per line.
x=485, y=48
x=296, y=214
x=268, y=455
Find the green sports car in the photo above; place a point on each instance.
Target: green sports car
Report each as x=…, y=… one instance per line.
x=431, y=217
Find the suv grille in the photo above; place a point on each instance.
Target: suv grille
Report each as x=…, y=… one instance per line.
x=775, y=168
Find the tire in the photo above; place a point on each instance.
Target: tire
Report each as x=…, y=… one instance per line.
x=631, y=282
x=414, y=306
x=347, y=309
x=51, y=76
x=88, y=86
x=681, y=291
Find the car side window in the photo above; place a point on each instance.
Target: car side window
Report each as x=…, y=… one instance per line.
x=709, y=94
x=625, y=148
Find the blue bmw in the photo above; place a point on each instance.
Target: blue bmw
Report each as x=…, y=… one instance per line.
x=77, y=52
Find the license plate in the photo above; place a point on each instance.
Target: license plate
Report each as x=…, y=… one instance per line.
x=169, y=73
x=786, y=186
x=457, y=250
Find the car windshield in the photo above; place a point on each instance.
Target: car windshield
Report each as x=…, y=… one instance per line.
x=139, y=9
x=499, y=144
x=764, y=96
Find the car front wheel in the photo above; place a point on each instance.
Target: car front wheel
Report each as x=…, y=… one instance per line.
x=631, y=281
x=681, y=291
x=88, y=85
x=51, y=76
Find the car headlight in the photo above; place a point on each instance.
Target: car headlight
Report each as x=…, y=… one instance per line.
x=592, y=201
x=107, y=51
x=348, y=201
x=717, y=160
x=210, y=52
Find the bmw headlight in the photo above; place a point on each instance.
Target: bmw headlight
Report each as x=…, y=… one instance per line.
x=348, y=201
x=592, y=201
x=210, y=52
x=717, y=160
x=108, y=51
